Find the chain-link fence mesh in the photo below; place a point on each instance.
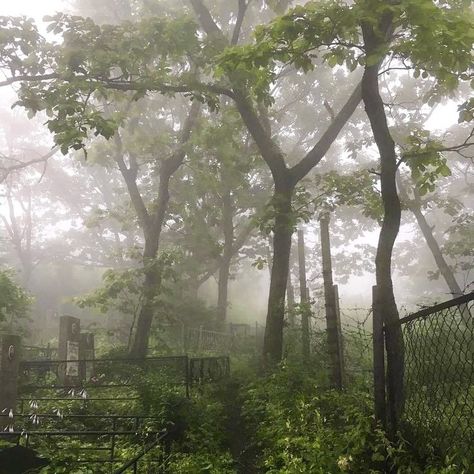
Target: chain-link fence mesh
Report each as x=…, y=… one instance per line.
x=439, y=374
x=356, y=342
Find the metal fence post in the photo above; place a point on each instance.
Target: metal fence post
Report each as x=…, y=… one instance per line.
x=379, y=361
x=9, y=368
x=186, y=375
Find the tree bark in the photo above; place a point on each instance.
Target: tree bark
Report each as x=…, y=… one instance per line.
x=227, y=253
x=375, y=39
x=20, y=232
x=152, y=225
x=290, y=293
x=283, y=229
x=152, y=281
x=414, y=205
x=151, y=286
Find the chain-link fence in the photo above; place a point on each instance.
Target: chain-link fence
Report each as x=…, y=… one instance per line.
x=438, y=409
x=356, y=342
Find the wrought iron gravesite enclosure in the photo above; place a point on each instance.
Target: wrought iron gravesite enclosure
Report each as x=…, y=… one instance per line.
x=436, y=400
x=90, y=407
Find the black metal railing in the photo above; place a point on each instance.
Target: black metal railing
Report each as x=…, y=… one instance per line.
x=141, y=458
x=39, y=375
x=208, y=369
x=39, y=353
x=104, y=450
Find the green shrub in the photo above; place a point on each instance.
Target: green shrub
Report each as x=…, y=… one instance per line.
x=15, y=302
x=302, y=428
x=209, y=463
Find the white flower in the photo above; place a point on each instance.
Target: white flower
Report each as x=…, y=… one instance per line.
x=343, y=462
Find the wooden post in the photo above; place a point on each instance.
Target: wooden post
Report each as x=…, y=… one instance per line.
x=187, y=375
x=86, y=353
x=183, y=338
x=256, y=337
x=379, y=361
x=68, y=349
x=332, y=320
x=304, y=302
x=200, y=338
x=9, y=368
x=290, y=294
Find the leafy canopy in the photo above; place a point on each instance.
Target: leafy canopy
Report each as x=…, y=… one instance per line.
x=434, y=39
x=70, y=78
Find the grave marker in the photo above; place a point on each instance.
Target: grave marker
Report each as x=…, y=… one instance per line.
x=68, y=349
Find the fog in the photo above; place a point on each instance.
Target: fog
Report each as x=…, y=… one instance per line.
x=69, y=220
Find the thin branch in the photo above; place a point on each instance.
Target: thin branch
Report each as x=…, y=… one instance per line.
x=316, y=154
x=243, y=4
x=120, y=85
x=6, y=171
x=28, y=78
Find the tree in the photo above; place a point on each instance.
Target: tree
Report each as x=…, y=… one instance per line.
x=294, y=38
x=414, y=204
x=222, y=189
x=72, y=133
x=89, y=73
x=285, y=179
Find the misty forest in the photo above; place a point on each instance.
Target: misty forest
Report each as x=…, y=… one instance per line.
x=236, y=236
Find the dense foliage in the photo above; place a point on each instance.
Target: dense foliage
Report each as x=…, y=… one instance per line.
x=14, y=300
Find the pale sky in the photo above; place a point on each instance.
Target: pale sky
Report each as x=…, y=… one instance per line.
x=442, y=118
x=33, y=8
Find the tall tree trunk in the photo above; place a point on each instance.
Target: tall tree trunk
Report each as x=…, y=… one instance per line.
x=151, y=286
x=20, y=233
x=441, y=263
x=414, y=205
x=152, y=225
x=374, y=40
x=152, y=282
x=283, y=229
x=224, y=268
x=304, y=300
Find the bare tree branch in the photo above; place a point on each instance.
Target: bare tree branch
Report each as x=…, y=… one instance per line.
x=243, y=4
x=5, y=171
